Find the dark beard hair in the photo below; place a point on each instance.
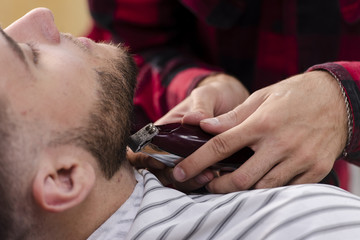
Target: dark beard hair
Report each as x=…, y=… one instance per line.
x=14, y=204
x=7, y=224
x=107, y=132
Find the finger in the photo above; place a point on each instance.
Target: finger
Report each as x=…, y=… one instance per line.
x=280, y=175
x=202, y=107
x=140, y=160
x=195, y=183
x=315, y=175
x=175, y=114
x=219, y=147
x=304, y=178
x=172, y=116
x=247, y=175
x=216, y=149
x=166, y=178
x=190, y=111
x=234, y=117
x=194, y=117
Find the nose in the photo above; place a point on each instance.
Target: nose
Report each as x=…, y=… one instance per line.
x=37, y=25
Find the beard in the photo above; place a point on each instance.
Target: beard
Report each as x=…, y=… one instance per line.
x=108, y=128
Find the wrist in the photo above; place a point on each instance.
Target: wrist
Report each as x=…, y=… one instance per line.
x=343, y=104
x=348, y=114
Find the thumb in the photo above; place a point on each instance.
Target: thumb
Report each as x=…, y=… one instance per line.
x=140, y=160
x=194, y=117
x=230, y=119
x=202, y=108
x=221, y=123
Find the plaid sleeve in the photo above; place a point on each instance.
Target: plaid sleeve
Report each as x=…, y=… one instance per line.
x=161, y=87
x=349, y=75
x=152, y=31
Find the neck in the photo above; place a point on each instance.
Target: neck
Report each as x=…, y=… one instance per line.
x=106, y=197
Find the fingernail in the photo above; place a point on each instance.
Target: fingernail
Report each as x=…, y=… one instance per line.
x=202, y=179
x=179, y=174
x=211, y=121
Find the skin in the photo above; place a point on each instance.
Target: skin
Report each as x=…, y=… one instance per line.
x=205, y=101
x=51, y=90
x=297, y=128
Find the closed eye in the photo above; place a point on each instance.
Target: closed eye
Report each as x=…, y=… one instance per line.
x=35, y=52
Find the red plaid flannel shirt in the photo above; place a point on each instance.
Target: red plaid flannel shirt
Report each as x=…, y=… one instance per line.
x=179, y=42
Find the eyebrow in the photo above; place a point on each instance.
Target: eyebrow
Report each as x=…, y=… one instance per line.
x=14, y=46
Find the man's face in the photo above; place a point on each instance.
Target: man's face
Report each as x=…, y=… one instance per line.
x=47, y=75
x=57, y=90
x=72, y=88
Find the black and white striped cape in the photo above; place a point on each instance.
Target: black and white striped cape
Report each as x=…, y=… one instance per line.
x=312, y=211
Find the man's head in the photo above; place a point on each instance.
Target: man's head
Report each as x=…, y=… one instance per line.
x=65, y=106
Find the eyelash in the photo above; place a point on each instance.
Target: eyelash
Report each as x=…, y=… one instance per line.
x=35, y=51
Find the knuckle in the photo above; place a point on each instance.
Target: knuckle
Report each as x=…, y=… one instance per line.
x=215, y=187
x=241, y=181
x=322, y=168
x=211, y=188
x=268, y=182
x=191, y=166
x=220, y=146
x=307, y=157
x=199, y=91
x=267, y=121
x=279, y=144
x=233, y=116
x=258, y=95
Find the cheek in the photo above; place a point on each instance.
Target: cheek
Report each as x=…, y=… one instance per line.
x=61, y=94
x=13, y=71
x=69, y=95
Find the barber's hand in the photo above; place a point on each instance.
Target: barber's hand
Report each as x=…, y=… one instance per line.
x=215, y=95
x=297, y=129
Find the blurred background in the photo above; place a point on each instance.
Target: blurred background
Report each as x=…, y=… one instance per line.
x=71, y=16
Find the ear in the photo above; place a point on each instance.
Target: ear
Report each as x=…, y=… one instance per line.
x=62, y=181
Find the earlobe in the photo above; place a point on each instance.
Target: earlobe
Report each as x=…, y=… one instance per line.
x=59, y=187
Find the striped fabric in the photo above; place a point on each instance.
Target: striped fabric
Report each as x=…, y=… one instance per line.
x=312, y=211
